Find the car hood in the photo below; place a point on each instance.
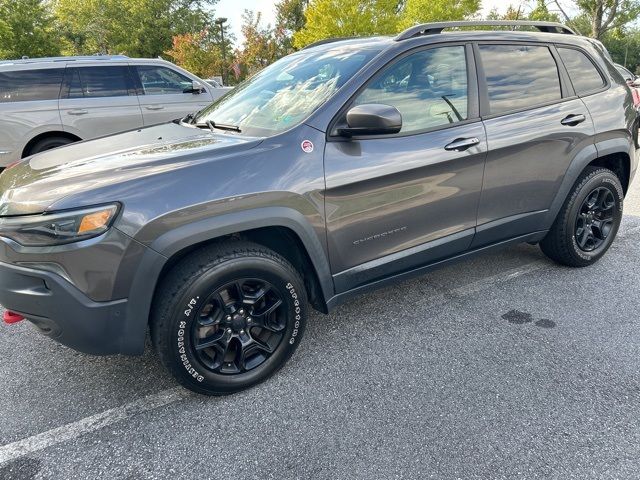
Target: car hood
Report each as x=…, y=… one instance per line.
x=33, y=185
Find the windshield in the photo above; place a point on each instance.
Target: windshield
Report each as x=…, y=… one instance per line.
x=285, y=93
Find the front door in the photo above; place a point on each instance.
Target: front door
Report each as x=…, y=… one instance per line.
x=394, y=202
x=165, y=94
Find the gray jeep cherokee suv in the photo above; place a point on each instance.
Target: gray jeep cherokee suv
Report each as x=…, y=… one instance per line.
x=338, y=169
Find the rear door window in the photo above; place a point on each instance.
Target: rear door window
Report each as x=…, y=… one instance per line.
x=584, y=75
x=519, y=76
x=29, y=85
x=102, y=81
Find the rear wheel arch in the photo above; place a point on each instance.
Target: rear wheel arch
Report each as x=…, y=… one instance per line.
x=27, y=150
x=619, y=163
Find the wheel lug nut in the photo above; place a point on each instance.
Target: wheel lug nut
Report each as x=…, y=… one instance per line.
x=228, y=330
x=228, y=318
x=241, y=332
x=241, y=311
x=248, y=319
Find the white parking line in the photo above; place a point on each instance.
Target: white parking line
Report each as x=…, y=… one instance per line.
x=73, y=430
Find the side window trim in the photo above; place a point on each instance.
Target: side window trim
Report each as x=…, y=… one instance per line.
x=473, y=105
x=566, y=87
x=135, y=78
x=485, y=111
x=605, y=79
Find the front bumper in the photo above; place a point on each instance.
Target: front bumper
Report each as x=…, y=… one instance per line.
x=62, y=312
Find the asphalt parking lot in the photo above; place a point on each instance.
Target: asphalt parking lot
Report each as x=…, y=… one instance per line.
x=507, y=366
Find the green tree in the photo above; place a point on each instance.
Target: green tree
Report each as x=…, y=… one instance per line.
x=339, y=18
x=541, y=13
x=27, y=27
x=606, y=15
x=597, y=17
x=424, y=11
x=260, y=47
x=336, y=18
x=289, y=19
x=141, y=28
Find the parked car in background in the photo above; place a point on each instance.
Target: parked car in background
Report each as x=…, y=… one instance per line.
x=632, y=81
x=50, y=102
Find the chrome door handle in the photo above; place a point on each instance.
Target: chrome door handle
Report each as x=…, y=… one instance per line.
x=573, y=120
x=154, y=107
x=80, y=111
x=460, y=144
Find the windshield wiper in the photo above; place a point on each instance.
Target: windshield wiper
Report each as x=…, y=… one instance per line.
x=220, y=126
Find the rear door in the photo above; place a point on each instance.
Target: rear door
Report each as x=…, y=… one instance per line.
x=166, y=94
x=99, y=100
x=535, y=126
x=28, y=107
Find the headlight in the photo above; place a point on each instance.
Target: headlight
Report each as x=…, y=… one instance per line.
x=58, y=228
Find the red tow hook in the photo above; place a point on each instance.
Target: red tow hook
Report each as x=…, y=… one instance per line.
x=12, y=317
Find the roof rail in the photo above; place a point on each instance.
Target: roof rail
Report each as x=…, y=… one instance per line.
x=66, y=59
x=438, y=27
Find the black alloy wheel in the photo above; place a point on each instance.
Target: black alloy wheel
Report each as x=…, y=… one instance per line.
x=239, y=326
x=595, y=219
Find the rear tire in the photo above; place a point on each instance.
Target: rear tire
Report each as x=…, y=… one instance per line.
x=228, y=317
x=48, y=143
x=588, y=221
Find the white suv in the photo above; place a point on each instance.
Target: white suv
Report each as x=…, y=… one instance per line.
x=49, y=102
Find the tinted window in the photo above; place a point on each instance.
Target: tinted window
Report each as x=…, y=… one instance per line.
x=584, y=75
x=162, y=80
x=429, y=88
x=87, y=82
x=519, y=76
x=28, y=85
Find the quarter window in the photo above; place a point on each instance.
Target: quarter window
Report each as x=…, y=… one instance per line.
x=519, y=76
x=584, y=74
x=429, y=88
x=162, y=80
x=28, y=85
x=108, y=81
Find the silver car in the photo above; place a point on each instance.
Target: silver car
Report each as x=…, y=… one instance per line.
x=50, y=102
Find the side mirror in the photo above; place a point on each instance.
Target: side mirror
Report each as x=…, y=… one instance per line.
x=372, y=119
x=196, y=88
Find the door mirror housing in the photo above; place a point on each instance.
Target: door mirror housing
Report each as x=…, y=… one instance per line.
x=372, y=119
x=196, y=88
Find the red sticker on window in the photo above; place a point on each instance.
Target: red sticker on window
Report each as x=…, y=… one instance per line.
x=307, y=146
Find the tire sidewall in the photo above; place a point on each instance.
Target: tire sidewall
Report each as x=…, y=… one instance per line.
x=50, y=144
x=601, y=179
x=183, y=315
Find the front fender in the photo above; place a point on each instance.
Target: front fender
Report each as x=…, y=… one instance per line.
x=158, y=253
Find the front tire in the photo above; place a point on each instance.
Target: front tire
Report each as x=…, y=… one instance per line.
x=588, y=221
x=228, y=317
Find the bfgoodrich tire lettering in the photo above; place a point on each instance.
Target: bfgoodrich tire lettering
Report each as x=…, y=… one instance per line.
x=588, y=221
x=228, y=317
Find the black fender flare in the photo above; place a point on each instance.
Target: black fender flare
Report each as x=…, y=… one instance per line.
x=580, y=162
x=168, y=244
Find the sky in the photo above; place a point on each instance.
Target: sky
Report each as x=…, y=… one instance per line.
x=233, y=9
